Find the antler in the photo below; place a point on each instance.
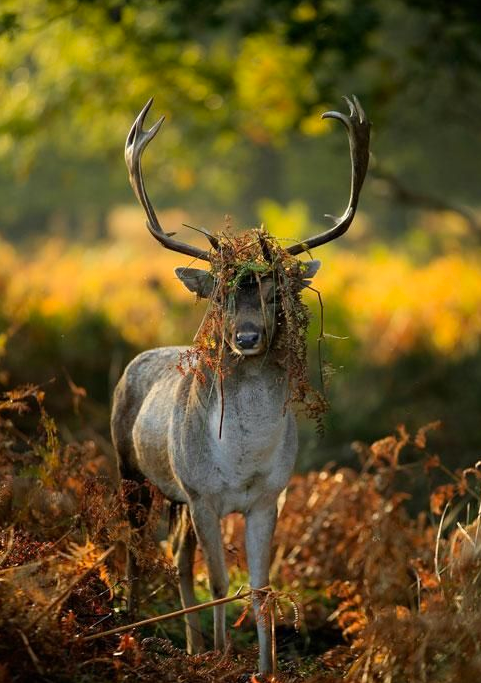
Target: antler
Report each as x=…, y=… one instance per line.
x=358, y=129
x=137, y=141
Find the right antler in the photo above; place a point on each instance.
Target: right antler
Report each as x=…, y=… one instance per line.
x=137, y=141
x=358, y=129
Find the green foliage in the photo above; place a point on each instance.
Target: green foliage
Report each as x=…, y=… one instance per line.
x=238, y=83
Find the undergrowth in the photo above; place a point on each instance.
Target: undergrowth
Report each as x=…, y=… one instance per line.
x=378, y=595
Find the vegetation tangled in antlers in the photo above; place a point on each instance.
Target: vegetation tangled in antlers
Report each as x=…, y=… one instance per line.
x=253, y=255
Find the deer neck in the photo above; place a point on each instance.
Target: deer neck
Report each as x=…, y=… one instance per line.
x=238, y=371
x=249, y=399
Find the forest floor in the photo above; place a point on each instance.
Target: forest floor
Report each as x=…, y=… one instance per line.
x=364, y=591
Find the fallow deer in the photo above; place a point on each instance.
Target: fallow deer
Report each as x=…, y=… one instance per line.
x=165, y=424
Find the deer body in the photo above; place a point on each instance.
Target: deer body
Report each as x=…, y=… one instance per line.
x=227, y=443
x=165, y=427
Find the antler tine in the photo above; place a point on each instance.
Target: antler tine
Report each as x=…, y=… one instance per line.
x=358, y=129
x=137, y=141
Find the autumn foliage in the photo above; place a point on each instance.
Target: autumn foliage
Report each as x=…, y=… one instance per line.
x=381, y=594
x=398, y=303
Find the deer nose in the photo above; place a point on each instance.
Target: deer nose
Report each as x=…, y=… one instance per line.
x=247, y=340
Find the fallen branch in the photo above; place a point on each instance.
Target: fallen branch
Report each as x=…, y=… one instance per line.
x=174, y=615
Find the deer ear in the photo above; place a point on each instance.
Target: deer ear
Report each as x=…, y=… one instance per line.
x=198, y=281
x=311, y=268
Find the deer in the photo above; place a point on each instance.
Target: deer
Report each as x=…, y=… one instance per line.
x=165, y=423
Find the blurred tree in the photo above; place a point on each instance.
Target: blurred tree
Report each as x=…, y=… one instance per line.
x=242, y=84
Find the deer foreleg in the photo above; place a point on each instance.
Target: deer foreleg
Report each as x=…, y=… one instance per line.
x=260, y=525
x=207, y=528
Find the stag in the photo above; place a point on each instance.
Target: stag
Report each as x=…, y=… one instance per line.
x=165, y=424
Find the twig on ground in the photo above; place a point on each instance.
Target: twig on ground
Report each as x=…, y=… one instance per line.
x=173, y=615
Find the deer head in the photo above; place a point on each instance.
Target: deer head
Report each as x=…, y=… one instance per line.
x=253, y=313
x=252, y=316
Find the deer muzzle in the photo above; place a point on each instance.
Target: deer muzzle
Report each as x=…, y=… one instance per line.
x=249, y=342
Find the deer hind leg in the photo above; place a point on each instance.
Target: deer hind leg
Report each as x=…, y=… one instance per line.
x=139, y=502
x=184, y=545
x=208, y=531
x=260, y=525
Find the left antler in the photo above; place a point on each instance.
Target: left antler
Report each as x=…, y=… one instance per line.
x=358, y=129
